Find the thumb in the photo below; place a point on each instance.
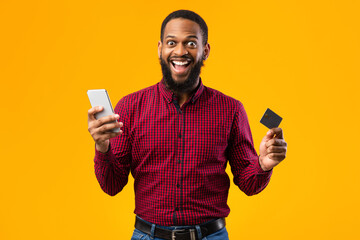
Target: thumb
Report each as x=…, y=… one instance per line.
x=269, y=135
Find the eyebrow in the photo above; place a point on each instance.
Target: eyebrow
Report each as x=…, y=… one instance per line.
x=191, y=36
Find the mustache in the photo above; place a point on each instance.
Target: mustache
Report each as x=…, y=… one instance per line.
x=188, y=57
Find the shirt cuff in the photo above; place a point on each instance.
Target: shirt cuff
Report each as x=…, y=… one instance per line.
x=104, y=157
x=260, y=170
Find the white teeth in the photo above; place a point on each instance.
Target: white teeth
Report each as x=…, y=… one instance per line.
x=180, y=63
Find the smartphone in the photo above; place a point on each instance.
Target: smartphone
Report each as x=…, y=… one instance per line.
x=100, y=97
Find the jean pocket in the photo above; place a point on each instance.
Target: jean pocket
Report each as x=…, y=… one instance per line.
x=138, y=235
x=222, y=234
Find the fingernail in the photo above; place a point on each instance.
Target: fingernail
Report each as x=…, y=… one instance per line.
x=117, y=115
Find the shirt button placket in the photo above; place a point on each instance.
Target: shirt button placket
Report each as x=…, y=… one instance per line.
x=180, y=160
x=179, y=155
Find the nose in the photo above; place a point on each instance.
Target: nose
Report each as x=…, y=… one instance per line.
x=180, y=50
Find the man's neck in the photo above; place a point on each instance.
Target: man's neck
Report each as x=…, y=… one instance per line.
x=182, y=97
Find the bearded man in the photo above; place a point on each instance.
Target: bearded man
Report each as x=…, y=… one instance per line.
x=176, y=138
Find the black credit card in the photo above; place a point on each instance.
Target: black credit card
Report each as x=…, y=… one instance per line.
x=270, y=119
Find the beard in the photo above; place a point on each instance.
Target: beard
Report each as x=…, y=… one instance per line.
x=186, y=86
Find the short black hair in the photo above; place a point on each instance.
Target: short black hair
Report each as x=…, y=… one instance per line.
x=187, y=14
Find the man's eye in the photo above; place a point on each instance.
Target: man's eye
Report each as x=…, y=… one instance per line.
x=192, y=44
x=171, y=43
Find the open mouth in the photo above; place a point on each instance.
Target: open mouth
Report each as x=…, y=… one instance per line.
x=180, y=67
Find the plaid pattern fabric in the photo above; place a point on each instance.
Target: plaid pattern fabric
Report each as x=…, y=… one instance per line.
x=178, y=155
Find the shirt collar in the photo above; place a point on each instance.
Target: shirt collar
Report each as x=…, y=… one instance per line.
x=169, y=95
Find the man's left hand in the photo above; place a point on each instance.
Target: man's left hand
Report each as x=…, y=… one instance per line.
x=272, y=149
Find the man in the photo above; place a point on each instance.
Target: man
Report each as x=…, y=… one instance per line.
x=176, y=138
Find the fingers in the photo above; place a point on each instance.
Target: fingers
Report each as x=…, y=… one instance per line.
x=97, y=123
x=100, y=129
x=274, y=133
x=105, y=136
x=277, y=133
x=107, y=119
x=277, y=156
x=107, y=127
x=101, y=121
x=93, y=111
x=96, y=128
x=276, y=142
x=276, y=149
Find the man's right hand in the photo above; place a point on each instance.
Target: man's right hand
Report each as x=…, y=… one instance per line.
x=100, y=128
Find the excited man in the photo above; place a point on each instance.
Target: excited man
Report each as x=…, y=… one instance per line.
x=176, y=139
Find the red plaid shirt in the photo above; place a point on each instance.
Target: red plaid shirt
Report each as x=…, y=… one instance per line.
x=178, y=155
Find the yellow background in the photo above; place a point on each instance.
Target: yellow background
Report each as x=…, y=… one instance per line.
x=299, y=58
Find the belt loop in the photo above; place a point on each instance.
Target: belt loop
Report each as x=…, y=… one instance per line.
x=198, y=232
x=152, y=231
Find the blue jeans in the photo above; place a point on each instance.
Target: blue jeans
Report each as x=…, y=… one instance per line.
x=222, y=234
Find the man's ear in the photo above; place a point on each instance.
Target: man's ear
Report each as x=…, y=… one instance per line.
x=206, y=51
x=159, y=48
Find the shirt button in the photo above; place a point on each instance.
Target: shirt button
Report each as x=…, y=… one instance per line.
x=178, y=185
x=176, y=209
x=178, y=161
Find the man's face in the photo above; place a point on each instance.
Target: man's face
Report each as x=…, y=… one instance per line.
x=181, y=54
